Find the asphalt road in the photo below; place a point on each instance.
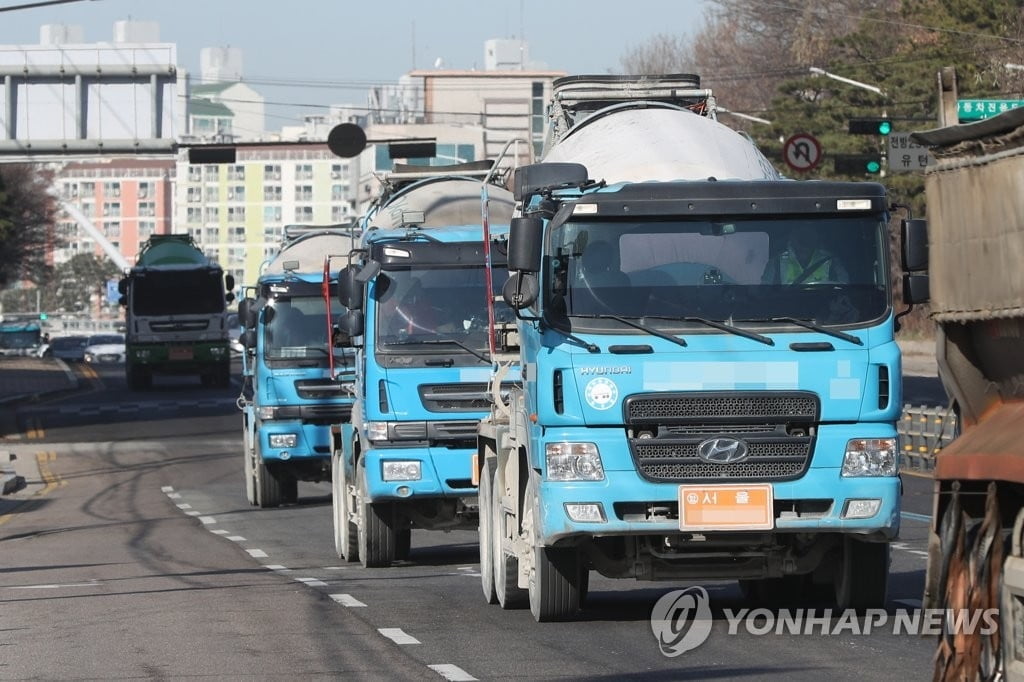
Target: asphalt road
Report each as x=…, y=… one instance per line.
x=138, y=556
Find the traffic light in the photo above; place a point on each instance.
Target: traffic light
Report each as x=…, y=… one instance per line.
x=870, y=126
x=858, y=164
x=43, y=316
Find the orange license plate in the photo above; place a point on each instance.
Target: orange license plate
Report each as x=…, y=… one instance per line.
x=178, y=353
x=726, y=507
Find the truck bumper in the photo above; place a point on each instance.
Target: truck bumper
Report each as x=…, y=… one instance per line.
x=444, y=473
x=178, y=357
x=311, y=441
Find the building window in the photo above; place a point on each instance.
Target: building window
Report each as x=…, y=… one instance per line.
x=112, y=189
x=111, y=209
x=338, y=170
x=196, y=233
x=236, y=234
x=111, y=229
x=194, y=195
x=236, y=193
x=271, y=214
x=195, y=174
x=146, y=229
x=272, y=233
x=236, y=172
x=146, y=190
x=236, y=255
x=272, y=172
x=211, y=235
x=147, y=208
x=70, y=190
x=236, y=214
x=212, y=214
x=337, y=192
x=212, y=172
x=194, y=215
x=339, y=214
x=304, y=214
x=213, y=193
x=88, y=189
x=304, y=171
x=303, y=192
x=272, y=193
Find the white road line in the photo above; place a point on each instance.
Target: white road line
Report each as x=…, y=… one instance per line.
x=451, y=672
x=167, y=489
x=467, y=568
x=275, y=567
x=54, y=586
x=347, y=600
x=183, y=505
x=899, y=545
x=257, y=553
x=174, y=496
x=335, y=568
x=912, y=603
x=235, y=538
x=193, y=513
x=312, y=582
x=219, y=531
x=207, y=520
x=398, y=636
x=917, y=552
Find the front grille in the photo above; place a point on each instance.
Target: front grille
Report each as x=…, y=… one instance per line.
x=734, y=407
x=180, y=326
x=321, y=389
x=772, y=458
x=473, y=397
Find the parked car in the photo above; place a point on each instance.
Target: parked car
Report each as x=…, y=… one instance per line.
x=65, y=347
x=105, y=348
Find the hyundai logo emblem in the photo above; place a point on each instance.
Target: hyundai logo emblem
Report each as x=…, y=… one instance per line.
x=722, y=450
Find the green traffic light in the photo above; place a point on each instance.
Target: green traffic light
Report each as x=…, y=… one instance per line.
x=873, y=166
x=43, y=316
x=884, y=127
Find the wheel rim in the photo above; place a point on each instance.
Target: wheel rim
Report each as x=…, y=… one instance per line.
x=336, y=503
x=343, y=501
x=487, y=561
x=361, y=515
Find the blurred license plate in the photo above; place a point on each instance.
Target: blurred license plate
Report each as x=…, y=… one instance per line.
x=726, y=507
x=178, y=353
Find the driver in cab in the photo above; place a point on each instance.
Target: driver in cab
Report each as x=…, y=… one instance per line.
x=804, y=261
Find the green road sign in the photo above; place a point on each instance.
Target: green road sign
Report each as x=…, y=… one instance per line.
x=977, y=109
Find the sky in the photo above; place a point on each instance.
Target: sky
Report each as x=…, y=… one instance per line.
x=330, y=51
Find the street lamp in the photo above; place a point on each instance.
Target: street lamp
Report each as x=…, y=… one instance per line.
x=849, y=81
x=737, y=114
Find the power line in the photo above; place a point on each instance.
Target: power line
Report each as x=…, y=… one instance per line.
x=41, y=3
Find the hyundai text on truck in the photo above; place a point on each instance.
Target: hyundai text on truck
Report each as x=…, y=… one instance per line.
x=684, y=413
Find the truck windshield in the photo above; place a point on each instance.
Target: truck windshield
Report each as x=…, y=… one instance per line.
x=295, y=328
x=832, y=269
x=178, y=292
x=422, y=304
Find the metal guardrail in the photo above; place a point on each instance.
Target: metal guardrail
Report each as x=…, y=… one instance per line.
x=923, y=432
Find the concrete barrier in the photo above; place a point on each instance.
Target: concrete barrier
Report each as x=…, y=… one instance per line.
x=923, y=431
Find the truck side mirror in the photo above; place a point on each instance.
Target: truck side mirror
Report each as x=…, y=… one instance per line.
x=915, y=288
x=525, y=240
x=122, y=300
x=122, y=286
x=520, y=291
x=350, y=289
x=248, y=312
x=229, y=281
x=914, y=235
x=351, y=324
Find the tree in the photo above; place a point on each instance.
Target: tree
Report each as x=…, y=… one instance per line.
x=80, y=278
x=26, y=223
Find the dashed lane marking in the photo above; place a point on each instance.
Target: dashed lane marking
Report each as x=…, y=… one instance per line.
x=55, y=586
x=167, y=489
x=174, y=496
x=398, y=636
x=193, y=513
x=347, y=600
x=183, y=505
x=236, y=538
x=257, y=553
x=219, y=531
x=451, y=672
x=276, y=567
x=207, y=520
x=312, y=582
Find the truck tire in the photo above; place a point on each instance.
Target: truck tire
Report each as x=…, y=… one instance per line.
x=138, y=378
x=346, y=533
x=249, y=467
x=289, y=488
x=486, y=531
x=223, y=376
x=377, y=537
x=268, y=488
x=556, y=575
x=506, y=565
x=403, y=543
x=862, y=575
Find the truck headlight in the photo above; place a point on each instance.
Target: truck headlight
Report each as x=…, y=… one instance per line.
x=218, y=351
x=283, y=440
x=265, y=412
x=376, y=430
x=573, y=462
x=870, y=457
x=402, y=470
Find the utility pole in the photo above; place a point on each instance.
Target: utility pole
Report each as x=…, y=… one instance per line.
x=947, y=97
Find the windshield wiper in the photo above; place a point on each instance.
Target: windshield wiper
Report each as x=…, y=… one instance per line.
x=720, y=326
x=438, y=342
x=813, y=326
x=631, y=322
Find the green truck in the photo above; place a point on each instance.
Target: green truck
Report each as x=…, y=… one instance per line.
x=175, y=299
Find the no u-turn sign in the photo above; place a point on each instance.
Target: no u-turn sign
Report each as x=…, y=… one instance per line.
x=802, y=152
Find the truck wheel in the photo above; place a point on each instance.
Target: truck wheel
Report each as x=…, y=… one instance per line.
x=289, y=489
x=268, y=489
x=505, y=565
x=403, y=543
x=862, y=575
x=555, y=577
x=137, y=377
x=223, y=376
x=346, y=534
x=376, y=528
x=249, y=468
x=774, y=593
x=486, y=531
